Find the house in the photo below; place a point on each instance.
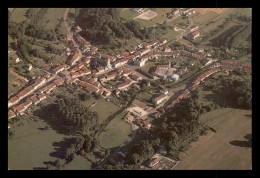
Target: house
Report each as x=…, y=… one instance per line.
x=38, y=82
x=175, y=28
x=48, y=75
x=11, y=114
x=73, y=59
x=59, y=68
x=34, y=99
x=124, y=85
x=135, y=77
x=176, y=11
x=159, y=98
x=194, y=35
x=29, y=67
x=164, y=91
x=147, y=124
x=102, y=78
x=194, y=28
x=15, y=59
x=25, y=92
x=67, y=37
x=155, y=115
x=41, y=97
x=77, y=29
x=91, y=88
x=58, y=81
x=19, y=109
x=13, y=100
x=27, y=103
x=153, y=162
x=119, y=63
x=47, y=88
x=65, y=74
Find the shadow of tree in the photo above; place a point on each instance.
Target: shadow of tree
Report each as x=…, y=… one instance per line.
x=60, y=150
x=243, y=143
x=51, y=117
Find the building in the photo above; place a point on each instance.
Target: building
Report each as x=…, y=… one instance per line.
x=59, y=68
x=175, y=77
x=13, y=100
x=58, y=81
x=164, y=91
x=73, y=59
x=15, y=59
x=175, y=28
x=124, y=85
x=194, y=35
x=194, y=28
x=153, y=162
x=11, y=114
x=29, y=67
x=159, y=99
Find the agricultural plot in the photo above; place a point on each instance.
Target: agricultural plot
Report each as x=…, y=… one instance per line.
x=18, y=14
x=116, y=132
x=164, y=164
x=104, y=109
x=139, y=103
x=54, y=16
x=228, y=148
x=29, y=141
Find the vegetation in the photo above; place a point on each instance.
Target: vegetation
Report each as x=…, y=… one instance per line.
x=104, y=26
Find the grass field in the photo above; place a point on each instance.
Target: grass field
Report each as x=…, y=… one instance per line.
x=139, y=103
x=224, y=149
x=14, y=84
x=78, y=163
x=116, y=133
x=54, y=15
x=31, y=147
x=104, y=109
x=18, y=14
x=127, y=14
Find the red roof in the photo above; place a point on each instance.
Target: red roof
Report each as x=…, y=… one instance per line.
x=11, y=114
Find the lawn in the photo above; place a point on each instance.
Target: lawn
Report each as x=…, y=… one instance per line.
x=31, y=147
x=104, y=109
x=78, y=163
x=116, y=133
x=224, y=149
x=18, y=14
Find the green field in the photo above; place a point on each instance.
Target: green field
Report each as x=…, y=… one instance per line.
x=104, y=109
x=31, y=147
x=116, y=133
x=139, y=103
x=14, y=84
x=127, y=14
x=54, y=15
x=18, y=14
x=78, y=163
x=227, y=148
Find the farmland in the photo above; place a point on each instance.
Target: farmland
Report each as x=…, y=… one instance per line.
x=221, y=150
x=29, y=141
x=116, y=133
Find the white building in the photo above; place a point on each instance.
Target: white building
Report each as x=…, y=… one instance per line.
x=175, y=77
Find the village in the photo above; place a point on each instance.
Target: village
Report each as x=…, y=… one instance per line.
x=105, y=75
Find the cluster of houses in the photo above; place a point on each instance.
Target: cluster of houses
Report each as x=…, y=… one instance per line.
x=194, y=33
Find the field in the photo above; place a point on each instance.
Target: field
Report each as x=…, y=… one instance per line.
x=104, y=109
x=54, y=16
x=116, y=133
x=29, y=141
x=148, y=15
x=225, y=149
x=139, y=103
x=78, y=163
x=14, y=83
x=18, y=14
x=127, y=14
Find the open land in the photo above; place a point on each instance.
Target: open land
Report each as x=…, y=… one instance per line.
x=215, y=151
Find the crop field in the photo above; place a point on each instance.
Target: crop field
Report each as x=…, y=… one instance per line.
x=29, y=141
x=116, y=133
x=227, y=149
x=78, y=163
